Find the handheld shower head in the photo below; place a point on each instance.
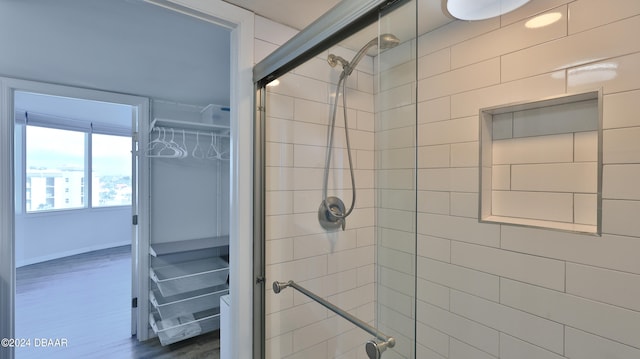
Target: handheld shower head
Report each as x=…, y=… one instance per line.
x=388, y=41
x=384, y=41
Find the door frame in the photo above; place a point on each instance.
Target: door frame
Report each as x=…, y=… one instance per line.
x=8, y=87
x=240, y=23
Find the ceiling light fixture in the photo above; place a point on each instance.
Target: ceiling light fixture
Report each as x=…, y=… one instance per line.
x=479, y=9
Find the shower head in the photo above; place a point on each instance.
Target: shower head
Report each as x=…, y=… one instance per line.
x=384, y=41
x=388, y=41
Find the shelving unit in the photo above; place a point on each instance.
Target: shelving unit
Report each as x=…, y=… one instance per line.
x=185, y=294
x=188, y=251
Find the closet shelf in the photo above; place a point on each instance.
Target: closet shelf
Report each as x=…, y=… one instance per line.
x=184, y=304
x=190, y=276
x=159, y=249
x=183, y=125
x=179, y=328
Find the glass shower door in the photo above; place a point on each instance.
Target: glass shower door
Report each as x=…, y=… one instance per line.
x=357, y=99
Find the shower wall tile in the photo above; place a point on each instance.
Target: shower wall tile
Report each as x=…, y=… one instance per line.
x=397, y=76
x=397, y=240
x=594, y=45
x=473, y=333
x=577, y=284
x=397, y=158
x=621, y=181
x=394, y=138
x=279, y=347
x=279, y=202
x=278, y=154
x=395, y=118
x=532, y=88
x=311, y=111
x=463, y=279
x=401, y=282
x=582, y=13
x=514, y=348
x=460, y=350
x=280, y=106
x=555, y=177
x=582, y=208
x=395, y=97
x=538, y=149
x=317, y=68
x=580, y=344
x=548, y=273
x=394, y=179
x=621, y=145
x=397, y=199
x=446, y=132
x=459, y=228
x=608, y=251
x=434, y=156
x=501, y=177
x=297, y=86
x=585, y=146
x=434, y=64
x=435, y=110
x=621, y=109
x=364, y=160
x=465, y=154
x=279, y=250
x=433, y=293
x=533, y=329
x=530, y=9
x=613, y=75
x=453, y=33
x=616, y=215
x=366, y=236
x=464, y=204
x=507, y=39
x=365, y=121
x=279, y=130
x=482, y=74
x=433, y=202
x=397, y=220
x=359, y=100
x=601, y=319
x=435, y=343
x=604, y=285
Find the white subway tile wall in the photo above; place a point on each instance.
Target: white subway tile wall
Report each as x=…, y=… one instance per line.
x=484, y=290
x=337, y=265
x=503, y=291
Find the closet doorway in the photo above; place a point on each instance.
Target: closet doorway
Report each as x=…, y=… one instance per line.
x=75, y=201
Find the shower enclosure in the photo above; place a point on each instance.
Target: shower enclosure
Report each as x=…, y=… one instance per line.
x=495, y=165
x=337, y=128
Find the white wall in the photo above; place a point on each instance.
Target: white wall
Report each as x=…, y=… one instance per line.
x=50, y=235
x=503, y=291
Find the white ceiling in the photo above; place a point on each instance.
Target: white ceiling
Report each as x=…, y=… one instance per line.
x=300, y=13
x=294, y=13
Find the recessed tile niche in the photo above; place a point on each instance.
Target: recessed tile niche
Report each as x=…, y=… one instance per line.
x=542, y=163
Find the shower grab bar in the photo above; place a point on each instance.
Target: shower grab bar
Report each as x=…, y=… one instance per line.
x=389, y=341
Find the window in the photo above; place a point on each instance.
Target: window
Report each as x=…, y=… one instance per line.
x=57, y=164
x=55, y=161
x=111, y=171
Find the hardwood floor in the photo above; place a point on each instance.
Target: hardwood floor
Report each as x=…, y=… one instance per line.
x=85, y=300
